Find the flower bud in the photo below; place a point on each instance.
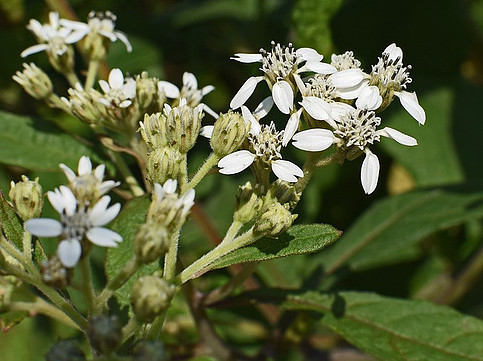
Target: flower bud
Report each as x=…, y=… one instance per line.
x=183, y=125
x=146, y=350
x=285, y=192
x=229, y=132
x=153, y=131
x=85, y=104
x=150, y=295
x=105, y=333
x=275, y=220
x=151, y=242
x=248, y=203
x=27, y=198
x=35, y=81
x=164, y=164
x=54, y=273
x=146, y=92
x=65, y=350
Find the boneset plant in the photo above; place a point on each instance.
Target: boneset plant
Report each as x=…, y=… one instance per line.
x=148, y=129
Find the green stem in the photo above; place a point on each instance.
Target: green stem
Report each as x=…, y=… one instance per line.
x=87, y=287
x=171, y=256
x=54, y=101
x=232, y=231
x=91, y=73
x=209, y=163
x=131, y=181
x=130, y=328
x=201, y=265
x=72, y=78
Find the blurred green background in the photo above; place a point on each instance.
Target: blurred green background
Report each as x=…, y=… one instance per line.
x=441, y=39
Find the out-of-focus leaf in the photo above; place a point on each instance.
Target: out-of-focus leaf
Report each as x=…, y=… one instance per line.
x=390, y=230
x=433, y=161
x=126, y=224
x=10, y=223
x=312, y=23
x=300, y=239
x=394, y=329
x=36, y=144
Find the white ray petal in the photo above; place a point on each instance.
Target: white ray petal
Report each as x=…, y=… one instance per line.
x=316, y=108
x=314, y=140
x=116, y=78
x=347, y=78
x=85, y=166
x=291, y=127
x=399, y=137
x=103, y=237
x=283, y=96
x=107, y=216
x=410, y=102
x=247, y=58
x=129, y=88
x=369, y=98
x=249, y=118
x=169, y=89
x=394, y=52
x=286, y=170
x=189, y=80
x=320, y=68
x=121, y=36
x=245, y=92
x=207, y=131
x=236, y=162
x=370, y=172
x=44, y=227
x=263, y=108
x=33, y=49
x=69, y=252
x=69, y=173
x=104, y=86
x=309, y=54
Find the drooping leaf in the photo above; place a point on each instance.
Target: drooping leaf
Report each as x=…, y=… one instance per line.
x=37, y=144
x=126, y=224
x=300, y=239
x=389, y=232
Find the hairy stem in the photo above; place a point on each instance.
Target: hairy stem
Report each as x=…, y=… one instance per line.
x=209, y=163
x=87, y=287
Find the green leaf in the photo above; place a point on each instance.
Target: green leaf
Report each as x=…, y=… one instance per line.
x=312, y=23
x=10, y=223
x=126, y=224
x=394, y=329
x=389, y=231
x=300, y=239
x=37, y=144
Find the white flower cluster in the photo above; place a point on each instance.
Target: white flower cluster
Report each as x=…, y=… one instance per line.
x=339, y=100
x=80, y=219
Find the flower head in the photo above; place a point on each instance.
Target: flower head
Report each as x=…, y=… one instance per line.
x=118, y=92
x=78, y=222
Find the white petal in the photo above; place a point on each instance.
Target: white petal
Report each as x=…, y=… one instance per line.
x=85, y=166
x=245, y=92
x=104, y=86
x=207, y=89
x=247, y=58
x=300, y=83
x=99, y=172
x=283, y=96
x=116, y=78
x=309, y=54
x=286, y=171
x=314, y=140
x=170, y=186
x=107, y=186
x=33, y=49
x=69, y=173
x=100, y=216
x=208, y=110
x=75, y=25
x=321, y=68
x=352, y=92
x=207, y=131
x=69, y=252
x=189, y=80
x=370, y=172
x=249, y=118
x=347, y=78
x=410, y=102
x=124, y=103
x=316, y=108
x=236, y=162
x=121, y=36
x=169, y=89
x=44, y=227
x=75, y=36
x=158, y=191
x=263, y=108
x=291, y=127
x=399, y=137
x=129, y=88
x=394, y=52
x=338, y=110
x=369, y=98
x=103, y=237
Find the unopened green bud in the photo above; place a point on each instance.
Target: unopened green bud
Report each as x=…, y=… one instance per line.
x=229, y=132
x=183, y=125
x=146, y=350
x=275, y=220
x=65, y=350
x=35, y=81
x=285, y=192
x=54, y=273
x=27, y=198
x=151, y=242
x=146, y=92
x=153, y=131
x=248, y=203
x=164, y=164
x=63, y=63
x=84, y=104
x=105, y=333
x=150, y=295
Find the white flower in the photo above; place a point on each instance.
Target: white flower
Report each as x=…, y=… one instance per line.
x=282, y=66
x=102, y=23
x=118, y=92
x=168, y=191
x=87, y=182
x=349, y=82
x=345, y=61
x=76, y=223
x=265, y=146
x=189, y=91
x=52, y=37
x=355, y=127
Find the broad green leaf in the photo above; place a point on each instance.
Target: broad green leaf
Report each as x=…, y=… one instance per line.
x=312, y=23
x=10, y=223
x=434, y=160
x=389, y=231
x=394, y=329
x=126, y=224
x=37, y=144
x=300, y=239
